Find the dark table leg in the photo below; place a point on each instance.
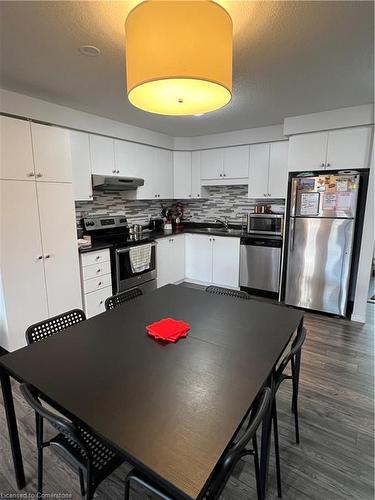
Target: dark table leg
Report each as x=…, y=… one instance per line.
x=266, y=439
x=12, y=429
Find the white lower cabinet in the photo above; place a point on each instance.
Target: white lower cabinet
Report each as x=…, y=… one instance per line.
x=39, y=256
x=212, y=259
x=95, y=301
x=170, y=259
x=96, y=281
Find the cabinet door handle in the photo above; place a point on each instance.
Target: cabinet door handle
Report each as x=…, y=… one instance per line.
x=31, y=174
x=39, y=174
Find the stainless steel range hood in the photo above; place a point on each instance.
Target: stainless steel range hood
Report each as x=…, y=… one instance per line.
x=115, y=183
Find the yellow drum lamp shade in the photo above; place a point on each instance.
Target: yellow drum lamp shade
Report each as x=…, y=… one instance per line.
x=179, y=56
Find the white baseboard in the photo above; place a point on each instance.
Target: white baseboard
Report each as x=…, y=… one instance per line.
x=358, y=319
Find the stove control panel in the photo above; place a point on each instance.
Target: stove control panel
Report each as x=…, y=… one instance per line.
x=111, y=222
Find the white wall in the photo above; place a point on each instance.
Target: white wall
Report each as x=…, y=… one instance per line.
x=367, y=248
x=29, y=107
x=237, y=137
x=337, y=118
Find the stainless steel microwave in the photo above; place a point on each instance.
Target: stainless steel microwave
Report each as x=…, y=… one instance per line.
x=265, y=224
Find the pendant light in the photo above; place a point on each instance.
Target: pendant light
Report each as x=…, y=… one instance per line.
x=179, y=56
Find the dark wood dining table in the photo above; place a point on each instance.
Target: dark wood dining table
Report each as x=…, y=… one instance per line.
x=169, y=409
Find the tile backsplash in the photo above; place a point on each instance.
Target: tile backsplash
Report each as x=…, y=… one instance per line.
x=229, y=201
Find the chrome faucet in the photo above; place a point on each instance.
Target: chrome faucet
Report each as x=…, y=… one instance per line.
x=224, y=222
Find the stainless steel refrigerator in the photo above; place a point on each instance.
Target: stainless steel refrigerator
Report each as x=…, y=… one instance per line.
x=320, y=241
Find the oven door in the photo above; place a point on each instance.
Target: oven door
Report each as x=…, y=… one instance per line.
x=125, y=277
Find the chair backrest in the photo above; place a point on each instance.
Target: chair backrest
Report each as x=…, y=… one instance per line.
x=48, y=327
x=218, y=290
x=234, y=454
x=60, y=423
x=120, y=298
x=294, y=351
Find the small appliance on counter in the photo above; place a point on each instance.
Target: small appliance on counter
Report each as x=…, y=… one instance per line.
x=156, y=224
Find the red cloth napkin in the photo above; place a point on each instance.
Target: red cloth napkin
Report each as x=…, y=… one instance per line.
x=168, y=329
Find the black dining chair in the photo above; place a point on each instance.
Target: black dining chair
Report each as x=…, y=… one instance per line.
x=121, y=298
x=227, y=463
x=93, y=459
x=56, y=324
x=218, y=290
x=293, y=357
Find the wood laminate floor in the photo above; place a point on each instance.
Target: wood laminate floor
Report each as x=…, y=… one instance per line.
x=334, y=460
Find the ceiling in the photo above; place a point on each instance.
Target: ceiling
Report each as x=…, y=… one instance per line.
x=290, y=58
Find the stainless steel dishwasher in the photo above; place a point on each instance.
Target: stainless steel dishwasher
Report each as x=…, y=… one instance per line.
x=260, y=260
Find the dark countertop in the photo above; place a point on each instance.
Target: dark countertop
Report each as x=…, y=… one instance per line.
x=190, y=228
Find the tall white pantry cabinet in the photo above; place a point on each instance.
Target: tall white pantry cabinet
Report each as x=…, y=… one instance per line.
x=38, y=252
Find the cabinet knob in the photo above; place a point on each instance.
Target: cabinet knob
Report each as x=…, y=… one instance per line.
x=99, y=270
x=48, y=256
x=39, y=174
x=198, y=195
x=30, y=174
x=221, y=175
x=101, y=302
x=113, y=171
x=213, y=239
x=99, y=283
x=322, y=165
x=328, y=164
x=189, y=195
x=209, y=239
x=40, y=257
x=118, y=171
x=97, y=257
x=224, y=175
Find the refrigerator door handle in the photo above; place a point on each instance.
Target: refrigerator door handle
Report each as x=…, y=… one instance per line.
x=292, y=233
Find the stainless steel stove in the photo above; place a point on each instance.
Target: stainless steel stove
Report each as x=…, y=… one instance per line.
x=114, y=232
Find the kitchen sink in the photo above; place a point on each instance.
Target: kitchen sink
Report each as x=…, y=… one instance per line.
x=221, y=230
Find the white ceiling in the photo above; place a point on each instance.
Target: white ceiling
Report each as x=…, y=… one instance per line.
x=290, y=58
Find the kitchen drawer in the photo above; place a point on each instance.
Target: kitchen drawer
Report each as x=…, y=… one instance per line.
x=96, y=270
x=90, y=258
x=94, y=284
x=94, y=302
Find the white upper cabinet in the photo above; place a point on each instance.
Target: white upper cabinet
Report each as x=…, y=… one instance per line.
x=268, y=170
x=81, y=165
x=102, y=155
x=236, y=162
x=227, y=165
x=16, y=153
x=307, y=151
x=278, y=169
x=57, y=226
x=212, y=164
x=128, y=158
x=52, y=153
x=162, y=173
x=197, y=190
x=334, y=150
x=258, y=171
x=182, y=174
x=348, y=148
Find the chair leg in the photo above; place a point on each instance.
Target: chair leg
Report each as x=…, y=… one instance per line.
x=39, y=442
x=81, y=482
x=295, y=375
x=277, y=450
x=127, y=489
x=257, y=470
